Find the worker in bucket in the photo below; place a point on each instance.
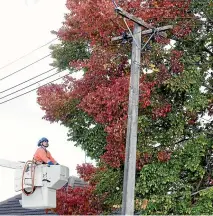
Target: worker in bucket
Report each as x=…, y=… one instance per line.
x=42, y=155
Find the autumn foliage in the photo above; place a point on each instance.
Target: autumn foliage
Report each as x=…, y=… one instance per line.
x=102, y=93
x=80, y=200
x=96, y=21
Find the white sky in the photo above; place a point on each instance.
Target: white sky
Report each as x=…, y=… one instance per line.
x=26, y=25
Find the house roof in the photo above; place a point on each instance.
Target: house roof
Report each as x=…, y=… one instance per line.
x=12, y=206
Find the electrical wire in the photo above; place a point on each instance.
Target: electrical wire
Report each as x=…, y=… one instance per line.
x=68, y=74
x=25, y=67
x=131, y=33
x=30, y=85
x=33, y=89
x=155, y=31
x=144, y=46
x=113, y=1
x=27, y=80
x=27, y=54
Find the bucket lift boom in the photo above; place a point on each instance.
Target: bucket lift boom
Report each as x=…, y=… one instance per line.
x=43, y=183
x=11, y=164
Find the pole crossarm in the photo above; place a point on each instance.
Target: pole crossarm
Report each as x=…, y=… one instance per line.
x=145, y=32
x=140, y=22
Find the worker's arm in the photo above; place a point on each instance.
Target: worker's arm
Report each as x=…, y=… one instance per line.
x=52, y=159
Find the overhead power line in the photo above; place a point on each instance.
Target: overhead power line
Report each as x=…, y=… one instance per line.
x=25, y=67
x=28, y=80
x=27, y=54
x=33, y=89
x=115, y=5
x=30, y=85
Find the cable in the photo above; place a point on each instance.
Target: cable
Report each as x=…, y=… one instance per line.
x=32, y=90
x=27, y=193
x=131, y=33
x=27, y=54
x=66, y=75
x=27, y=80
x=113, y=1
x=25, y=67
x=30, y=85
x=144, y=46
x=141, y=49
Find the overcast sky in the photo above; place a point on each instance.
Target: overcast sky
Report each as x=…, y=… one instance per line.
x=26, y=25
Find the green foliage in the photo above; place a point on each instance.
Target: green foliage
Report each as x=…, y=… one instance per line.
x=110, y=183
x=87, y=134
x=204, y=203
x=169, y=186
x=65, y=52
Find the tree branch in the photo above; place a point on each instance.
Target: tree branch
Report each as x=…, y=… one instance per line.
x=180, y=141
x=201, y=191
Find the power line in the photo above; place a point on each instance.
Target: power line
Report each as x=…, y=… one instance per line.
x=115, y=5
x=27, y=80
x=32, y=90
x=27, y=54
x=25, y=67
x=30, y=85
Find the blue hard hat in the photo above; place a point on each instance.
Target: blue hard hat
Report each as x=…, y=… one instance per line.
x=43, y=139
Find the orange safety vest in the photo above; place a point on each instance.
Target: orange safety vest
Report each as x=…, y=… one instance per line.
x=43, y=156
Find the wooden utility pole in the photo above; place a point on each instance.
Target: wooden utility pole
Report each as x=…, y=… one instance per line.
x=132, y=124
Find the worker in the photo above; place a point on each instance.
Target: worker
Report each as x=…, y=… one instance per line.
x=42, y=155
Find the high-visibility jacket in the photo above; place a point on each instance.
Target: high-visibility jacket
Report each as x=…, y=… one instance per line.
x=43, y=156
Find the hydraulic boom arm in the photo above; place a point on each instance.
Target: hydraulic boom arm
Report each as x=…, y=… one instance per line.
x=11, y=164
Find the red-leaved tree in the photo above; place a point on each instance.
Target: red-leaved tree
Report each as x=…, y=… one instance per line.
x=102, y=93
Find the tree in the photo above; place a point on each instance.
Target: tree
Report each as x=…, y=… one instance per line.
x=65, y=52
x=174, y=146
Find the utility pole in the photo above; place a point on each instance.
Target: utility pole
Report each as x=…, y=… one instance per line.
x=132, y=124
